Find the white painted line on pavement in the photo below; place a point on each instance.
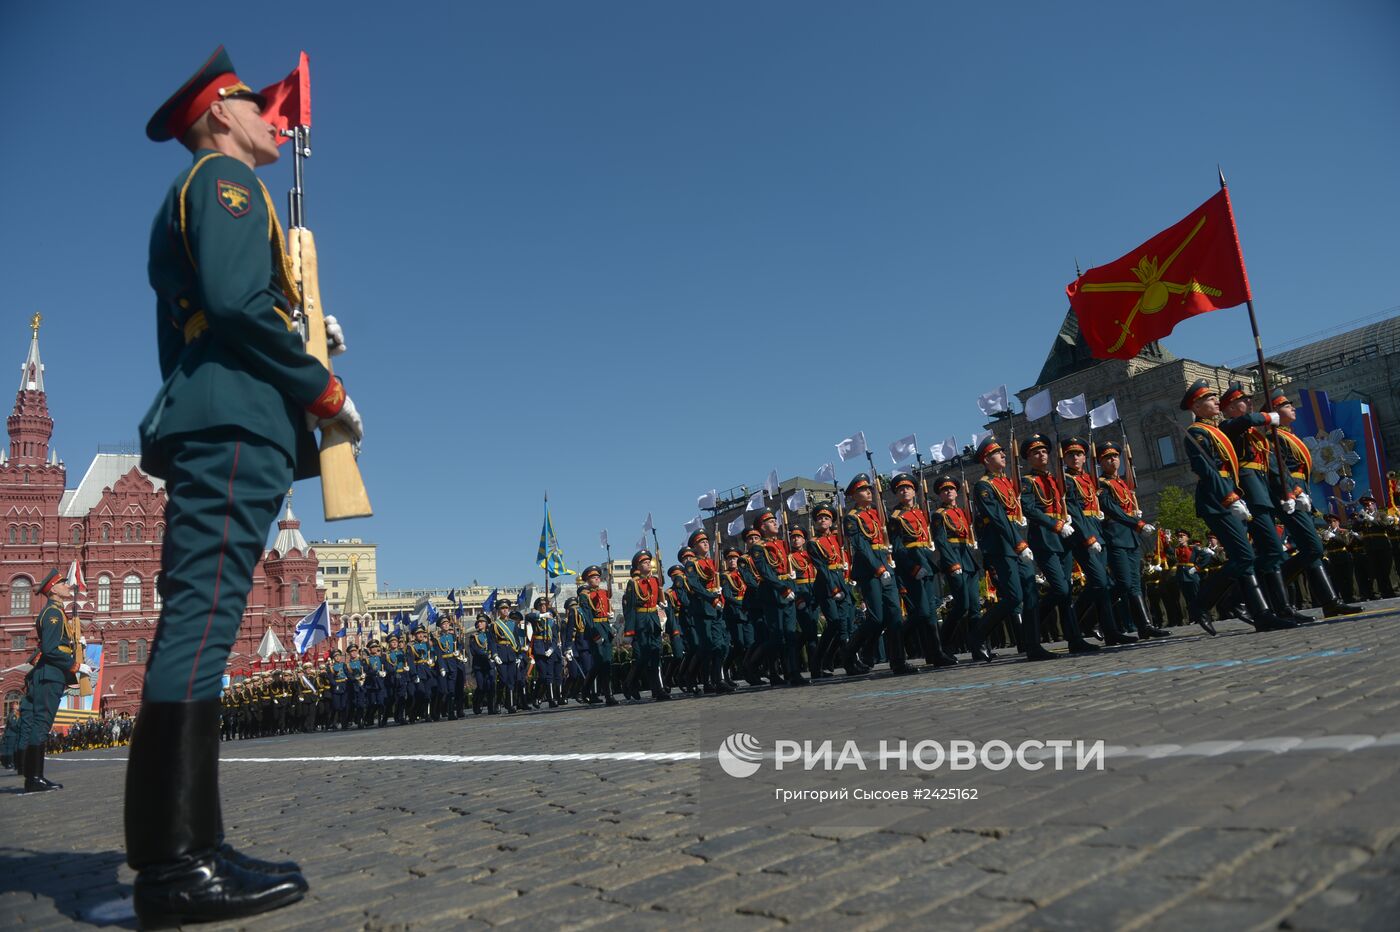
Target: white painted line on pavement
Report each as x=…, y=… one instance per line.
x=1280, y=745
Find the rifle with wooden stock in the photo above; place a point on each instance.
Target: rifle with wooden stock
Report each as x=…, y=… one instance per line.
x=343, y=493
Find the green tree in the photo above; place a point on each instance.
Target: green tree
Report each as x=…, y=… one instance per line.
x=1176, y=509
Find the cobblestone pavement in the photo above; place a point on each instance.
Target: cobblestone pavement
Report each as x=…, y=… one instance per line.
x=1250, y=782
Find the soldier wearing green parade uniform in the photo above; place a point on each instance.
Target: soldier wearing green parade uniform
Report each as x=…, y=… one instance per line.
x=1300, y=523
x=707, y=613
x=1219, y=504
x=9, y=742
x=55, y=667
x=1082, y=504
x=595, y=607
x=956, y=552
x=228, y=432
x=1049, y=532
x=771, y=559
x=911, y=539
x=872, y=570
x=1122, y=526
x=641, y=622
x=833, y=586
x=804, y=583
x=1188, y=573
x=1335, y=541
x=1256, y=456
x=1001, y=531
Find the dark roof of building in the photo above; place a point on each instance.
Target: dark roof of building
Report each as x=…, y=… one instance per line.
x=1378, y=339
x=1069, y=354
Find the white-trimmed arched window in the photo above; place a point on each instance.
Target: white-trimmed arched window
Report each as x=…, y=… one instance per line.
x=131, y=593
x=104, y=592
x=124, y=652
x=20, y=589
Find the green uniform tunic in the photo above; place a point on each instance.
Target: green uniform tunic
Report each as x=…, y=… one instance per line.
x=55, y=664
x=227, y=429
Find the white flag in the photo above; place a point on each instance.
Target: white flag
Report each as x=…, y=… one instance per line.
x=755, y=502
x=603, y=538
x=1038, y=405
x=647, y=526
x=944, y=451
x=641, y=545
x=902, y=449
x=851, y=446
x=994, y=401
x=694, y=524
x=269, y=644
x=736, y=527
x=1071, y=408
x=313, y=629
x=707, y=501
x=827, y=473
x=978, y=436
x=1104, y=414
x=797, y=500
x=770, y=485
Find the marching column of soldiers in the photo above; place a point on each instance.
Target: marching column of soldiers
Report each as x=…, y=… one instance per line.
x=1058, y=554
x=1063, y=554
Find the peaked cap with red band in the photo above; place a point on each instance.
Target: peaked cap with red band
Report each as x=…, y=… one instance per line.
x=215, y=80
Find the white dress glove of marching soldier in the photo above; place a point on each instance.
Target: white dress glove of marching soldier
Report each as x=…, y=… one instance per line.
x=1096, y=547
x=1288, y=506
x=1066, y=530
x=1027, y=556
x=1149, y=529
x=1240, y=510
x=1304, y=499
x=335, y=337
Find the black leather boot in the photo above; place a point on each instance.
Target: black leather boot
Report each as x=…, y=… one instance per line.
x=1325, y=596
x=1261, y=616
x=1143, y=620
x=173, y=825
x=791, y=667
x=850, y=657
x=1030, y=639
x=1210, y=592
x=894, y=646
x=1077, y=643
x=1276, y=593
x=26, y=761
x=36, y=781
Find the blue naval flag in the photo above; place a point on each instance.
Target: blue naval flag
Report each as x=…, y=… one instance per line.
x=313, y=629
x=490, y=604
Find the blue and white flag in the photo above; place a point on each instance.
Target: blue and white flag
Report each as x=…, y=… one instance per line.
x=313, y=629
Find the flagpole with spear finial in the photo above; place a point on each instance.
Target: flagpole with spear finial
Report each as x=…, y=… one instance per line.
x=1258, y=342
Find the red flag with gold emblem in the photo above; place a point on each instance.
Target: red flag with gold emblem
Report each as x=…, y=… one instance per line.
x=289, y=100
x=1194, y=267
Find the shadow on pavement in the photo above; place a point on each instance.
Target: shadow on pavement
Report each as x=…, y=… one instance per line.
x=82, y=886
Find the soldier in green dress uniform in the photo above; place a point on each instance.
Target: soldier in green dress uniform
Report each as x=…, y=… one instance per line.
x=228, y=432
x=55, y=667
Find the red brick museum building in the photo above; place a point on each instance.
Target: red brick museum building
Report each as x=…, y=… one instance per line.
x=112, y=523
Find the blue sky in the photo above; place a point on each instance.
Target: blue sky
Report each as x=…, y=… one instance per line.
x=630, y=251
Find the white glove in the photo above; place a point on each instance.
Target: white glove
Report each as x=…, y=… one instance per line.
x=549, y=652
x=958, y=571
x=335, y=337
x=1328, y=535
x=495, y=658
x=1138, y=513
x=1096, y=547
x=1149, y=528
x=1273, y=417
x=1027, y=556
x=1066, y=530
x=1190, y=571
x=1305, y=500
x=1369, y=518
x=348, y=418
x=1240, y=510
x=1069, y=519
x=1288, y=506
x=1392, y=520
x=840, y=596
x=568, y=655
x=1021, y=521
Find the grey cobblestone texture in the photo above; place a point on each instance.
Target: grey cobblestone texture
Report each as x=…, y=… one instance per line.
x=1301, y=840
